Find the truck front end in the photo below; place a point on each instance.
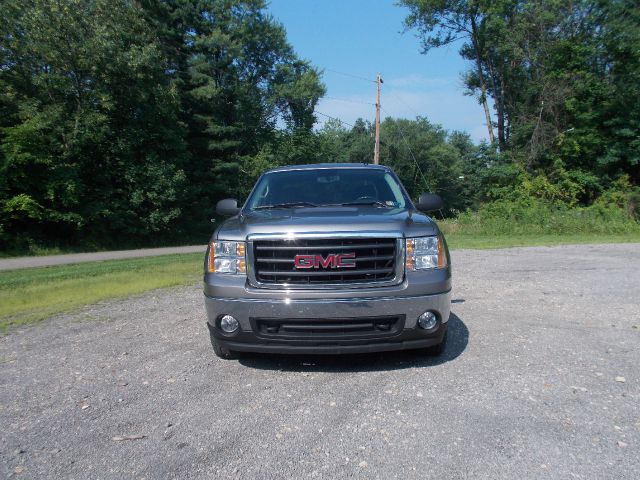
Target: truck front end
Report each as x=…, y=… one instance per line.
x=345, y=263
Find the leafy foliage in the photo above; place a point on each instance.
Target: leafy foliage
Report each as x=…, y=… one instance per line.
x=564, y=80
x=564, y=77
x=121, y=123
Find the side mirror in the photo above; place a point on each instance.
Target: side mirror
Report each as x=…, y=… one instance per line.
x=227, y=207
x=429, y=202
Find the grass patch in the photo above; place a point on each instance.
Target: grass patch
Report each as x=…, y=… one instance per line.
x=533, y=222
x=35, y=294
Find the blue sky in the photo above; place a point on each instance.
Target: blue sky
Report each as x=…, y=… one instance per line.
x=362, y=38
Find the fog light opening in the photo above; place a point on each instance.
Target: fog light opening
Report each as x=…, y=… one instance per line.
x=427, y=320
x=229, y=324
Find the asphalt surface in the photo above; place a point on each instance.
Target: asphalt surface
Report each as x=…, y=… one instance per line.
x=540, y=380
x=18, y=263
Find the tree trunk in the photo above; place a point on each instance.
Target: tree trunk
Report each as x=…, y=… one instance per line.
x=483, y=87
x=498, y=96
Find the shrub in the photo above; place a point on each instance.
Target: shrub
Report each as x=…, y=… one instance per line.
x=529, y=215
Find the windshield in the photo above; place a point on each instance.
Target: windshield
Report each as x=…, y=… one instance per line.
x=330, y=186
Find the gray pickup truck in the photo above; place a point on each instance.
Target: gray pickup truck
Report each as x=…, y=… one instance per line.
x=328, y=258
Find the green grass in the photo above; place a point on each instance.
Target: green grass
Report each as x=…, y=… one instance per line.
x=35, y=294
x=508, y=224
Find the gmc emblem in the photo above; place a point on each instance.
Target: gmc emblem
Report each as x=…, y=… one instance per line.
x=332, y=260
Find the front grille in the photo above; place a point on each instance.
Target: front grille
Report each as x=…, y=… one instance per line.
x=359, y=328
x=375, y=261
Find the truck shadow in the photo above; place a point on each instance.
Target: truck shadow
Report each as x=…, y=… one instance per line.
x=363, y=362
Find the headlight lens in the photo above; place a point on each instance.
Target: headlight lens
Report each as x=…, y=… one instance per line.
x=424, y=253
x=227, y=257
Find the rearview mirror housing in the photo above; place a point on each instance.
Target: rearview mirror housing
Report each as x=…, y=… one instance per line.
x=227, y=207
x=429, y=202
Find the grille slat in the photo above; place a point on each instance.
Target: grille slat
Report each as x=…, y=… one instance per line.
x=274, y=261
x=303, y=273
x=327, y=330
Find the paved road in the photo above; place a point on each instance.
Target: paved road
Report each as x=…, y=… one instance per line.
x=526, y=389
x=51, y=260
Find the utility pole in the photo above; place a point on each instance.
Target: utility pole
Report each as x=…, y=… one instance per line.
x=376, y=150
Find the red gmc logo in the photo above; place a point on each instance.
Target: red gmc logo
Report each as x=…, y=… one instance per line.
x=332, y=260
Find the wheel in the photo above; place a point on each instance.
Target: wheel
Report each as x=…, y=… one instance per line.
x=220, y=351
x=435, y=350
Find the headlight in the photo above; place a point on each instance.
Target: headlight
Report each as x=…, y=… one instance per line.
x=227, y=257
x=424, y=253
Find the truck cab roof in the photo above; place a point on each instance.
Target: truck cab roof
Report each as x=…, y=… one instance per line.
x=320, y=166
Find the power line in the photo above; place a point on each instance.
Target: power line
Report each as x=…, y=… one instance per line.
x=246, y=126
x=334, y=118
x=349, y=100
x=241, y=125
x=349, y=75
x=404, y=103
x=397, y=124
x=298, y=102
x=341, y=99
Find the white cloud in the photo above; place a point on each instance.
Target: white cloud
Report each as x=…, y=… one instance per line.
x=439, y=99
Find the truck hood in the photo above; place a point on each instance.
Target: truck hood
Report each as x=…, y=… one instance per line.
x=410, y=223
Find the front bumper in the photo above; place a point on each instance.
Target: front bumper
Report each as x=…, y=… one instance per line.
x=245, y=310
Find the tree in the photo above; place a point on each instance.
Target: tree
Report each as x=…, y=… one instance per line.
x=91, y=148
x=423, y=158
x=296, y=91
x=122, y=122
x=441, y=23
x=564, y=77
x=239, y=76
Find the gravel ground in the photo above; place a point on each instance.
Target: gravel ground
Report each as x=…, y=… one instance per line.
x=540, y=380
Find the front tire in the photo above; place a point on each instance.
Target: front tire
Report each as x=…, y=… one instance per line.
x=220, y=351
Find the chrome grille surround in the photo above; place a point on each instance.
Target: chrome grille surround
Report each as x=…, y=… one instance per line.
x=398, y=273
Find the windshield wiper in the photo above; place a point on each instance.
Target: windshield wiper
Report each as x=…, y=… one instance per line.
x=286, y=205
x=377, y=203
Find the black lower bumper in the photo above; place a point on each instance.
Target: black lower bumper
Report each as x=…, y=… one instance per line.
x=407, y=339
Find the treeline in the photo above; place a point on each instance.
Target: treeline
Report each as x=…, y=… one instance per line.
x=122, y=121
x=559, y=82
x=425, y=156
